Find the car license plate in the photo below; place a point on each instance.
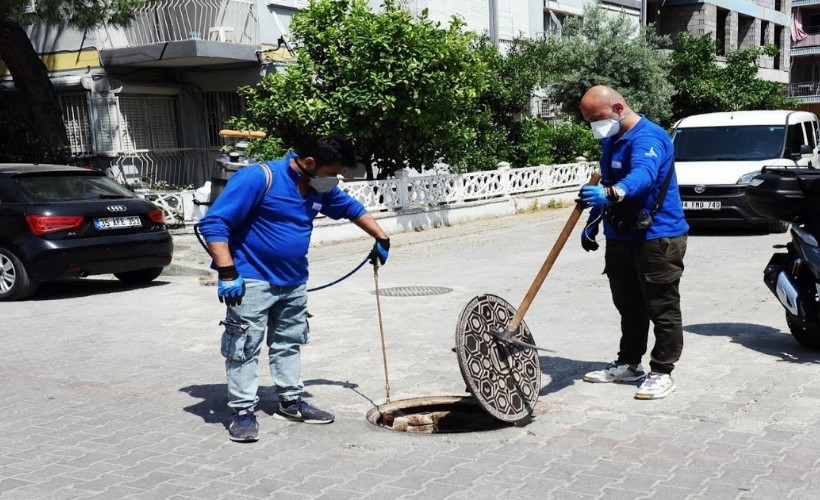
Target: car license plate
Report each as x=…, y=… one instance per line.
x=701, y=205
x=117, y=222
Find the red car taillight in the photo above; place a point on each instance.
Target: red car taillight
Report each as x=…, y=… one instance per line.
x=157, y=216
x=46, y=224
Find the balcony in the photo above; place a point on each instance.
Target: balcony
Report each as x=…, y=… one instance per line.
x=805, y=92
x=184, y=33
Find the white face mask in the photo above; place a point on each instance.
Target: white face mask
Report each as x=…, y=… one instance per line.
x=320, y=184
x=602, y=129
x=323, y=184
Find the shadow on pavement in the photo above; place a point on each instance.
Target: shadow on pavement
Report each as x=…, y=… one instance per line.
x=213, y=407
x=85, y=287
x=760, y=338
x=565, y=372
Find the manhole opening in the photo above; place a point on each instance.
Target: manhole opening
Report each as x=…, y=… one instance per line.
x=413, y=291
x=434, y=415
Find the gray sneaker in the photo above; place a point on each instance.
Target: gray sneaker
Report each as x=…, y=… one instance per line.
x=299, y=410
x=615, y=372
x=656, y=386
x=244, y=428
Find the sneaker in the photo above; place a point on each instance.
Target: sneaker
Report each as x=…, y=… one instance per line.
x=244, y=428
x=298, y=410
x=656, y=386
x=615, y=372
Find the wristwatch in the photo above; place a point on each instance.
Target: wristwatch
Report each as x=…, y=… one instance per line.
x=614, y=193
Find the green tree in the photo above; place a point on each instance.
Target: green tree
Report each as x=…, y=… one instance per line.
x=399, y=87
x=49, y=141
x=704, y=87
x=602, y=49
x=506, y=99
x=541, y=142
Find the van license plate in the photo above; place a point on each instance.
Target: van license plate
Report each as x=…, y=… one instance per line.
x=701, y=205
x=117, y=222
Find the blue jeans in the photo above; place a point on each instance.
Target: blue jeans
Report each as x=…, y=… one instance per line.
x=281, y=313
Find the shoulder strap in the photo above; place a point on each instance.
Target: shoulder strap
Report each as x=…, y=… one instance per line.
x=659, y=200
x=268, y=177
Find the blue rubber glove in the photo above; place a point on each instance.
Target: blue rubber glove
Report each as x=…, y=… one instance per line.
x=588, y=234
x=592, y=195
x=381, y=249
x=230, y=287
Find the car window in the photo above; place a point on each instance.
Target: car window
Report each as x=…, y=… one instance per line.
x=796, y=139
x=59, y=186
x=752, y=142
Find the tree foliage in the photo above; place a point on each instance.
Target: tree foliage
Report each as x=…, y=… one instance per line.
x=602, y=49
x=400, y=88
x=703, y=86
x=48, y=140
x=544, y=143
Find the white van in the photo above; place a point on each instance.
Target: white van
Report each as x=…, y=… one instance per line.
x=717, y=154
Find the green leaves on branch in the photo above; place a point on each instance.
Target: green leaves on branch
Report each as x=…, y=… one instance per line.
x=400, y=87
x=615, y=51
x=703, y=86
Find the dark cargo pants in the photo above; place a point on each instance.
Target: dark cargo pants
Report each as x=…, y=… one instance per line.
x=644, y=279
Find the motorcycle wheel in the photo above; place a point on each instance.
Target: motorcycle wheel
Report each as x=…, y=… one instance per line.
x=807, y=337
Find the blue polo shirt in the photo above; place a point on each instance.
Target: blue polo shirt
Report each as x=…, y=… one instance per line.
x=639, y=161
x=269, y=232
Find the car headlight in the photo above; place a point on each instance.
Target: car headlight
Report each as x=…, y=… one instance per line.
x=745, y=178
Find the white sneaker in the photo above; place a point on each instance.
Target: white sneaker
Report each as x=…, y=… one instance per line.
x=656, y=386
x=616, y=373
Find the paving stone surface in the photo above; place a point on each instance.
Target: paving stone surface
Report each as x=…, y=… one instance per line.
x=110, y=391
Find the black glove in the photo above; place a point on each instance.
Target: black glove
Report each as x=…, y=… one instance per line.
x=230, y=287
x=380, y=250
x=588, y=237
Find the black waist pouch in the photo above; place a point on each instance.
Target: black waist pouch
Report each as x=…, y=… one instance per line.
x=628, y=218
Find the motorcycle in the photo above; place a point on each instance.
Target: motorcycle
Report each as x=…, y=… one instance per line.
x=792, y=194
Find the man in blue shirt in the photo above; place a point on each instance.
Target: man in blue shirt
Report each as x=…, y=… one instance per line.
x=258, y=232
x=646, y=234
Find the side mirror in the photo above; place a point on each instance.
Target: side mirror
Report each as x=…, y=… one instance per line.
x=806, y=150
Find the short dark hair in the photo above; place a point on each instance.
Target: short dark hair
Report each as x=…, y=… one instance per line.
x=326, y=150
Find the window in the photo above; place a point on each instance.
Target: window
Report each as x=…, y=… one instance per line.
x=735, y=143
x=764, y=32
x=720, y=35
x=77, y=124
x=546, y=109
x=220, y=106
x=796, y=139
x=149, y=122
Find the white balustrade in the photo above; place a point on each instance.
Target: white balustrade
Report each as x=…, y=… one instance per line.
x=176, y=20
x=405, y=192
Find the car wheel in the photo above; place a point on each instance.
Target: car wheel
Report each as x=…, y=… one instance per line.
x=778, y=226
x=15, y=283
x=139, y=276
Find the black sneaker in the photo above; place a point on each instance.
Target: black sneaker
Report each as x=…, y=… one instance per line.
x=297, y=410
x=244, y=428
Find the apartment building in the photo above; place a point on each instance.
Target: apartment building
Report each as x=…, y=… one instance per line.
x=805, y=52
x=149, y=99
x=734, y=24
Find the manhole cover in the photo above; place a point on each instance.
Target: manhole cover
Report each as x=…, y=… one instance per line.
x=503, y=377
x=413, y=291
x=434, y=415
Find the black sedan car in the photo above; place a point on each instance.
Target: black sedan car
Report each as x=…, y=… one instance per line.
x=59, y=222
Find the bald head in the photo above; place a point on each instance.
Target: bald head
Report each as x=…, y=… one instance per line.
x=602, y=102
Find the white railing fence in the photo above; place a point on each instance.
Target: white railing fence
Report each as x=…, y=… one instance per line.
x=408, y=192
x=176, y=20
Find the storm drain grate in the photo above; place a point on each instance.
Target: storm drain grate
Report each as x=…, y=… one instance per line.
x=413, y=291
